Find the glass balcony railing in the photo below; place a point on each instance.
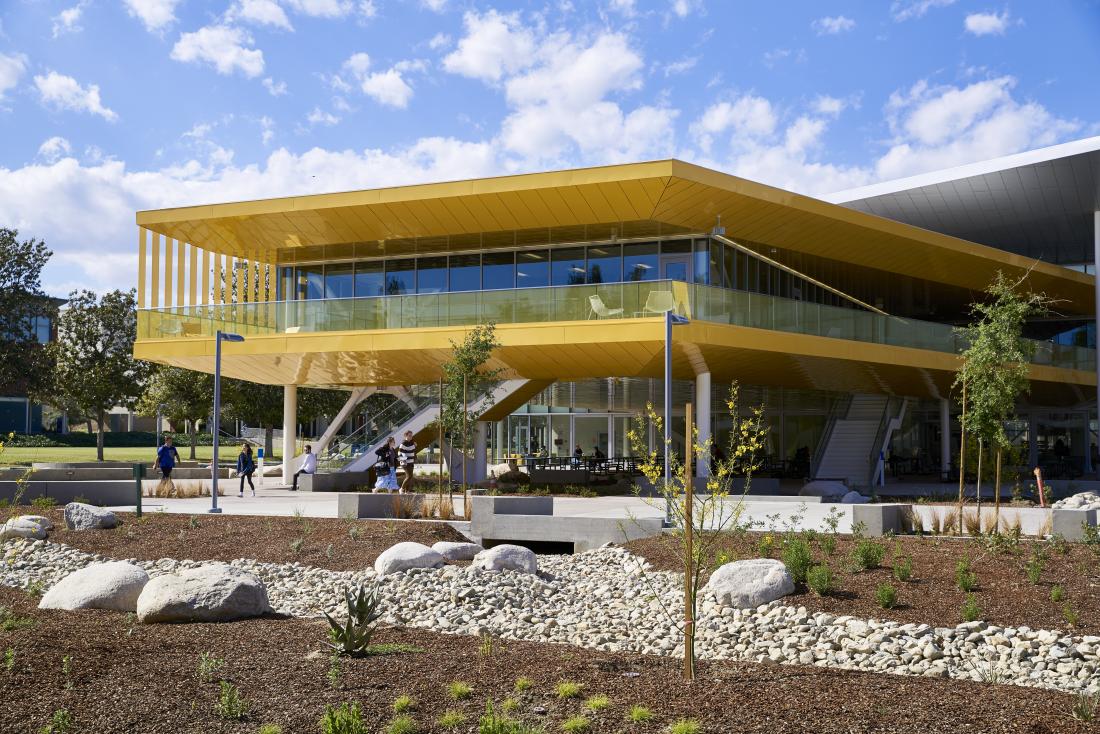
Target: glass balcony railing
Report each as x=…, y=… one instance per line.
x=573, y=303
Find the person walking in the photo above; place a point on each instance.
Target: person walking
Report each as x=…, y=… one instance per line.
x=309, y=466
x=385, y=468
x=167, y=456
x=406, y=455
x=246, y=465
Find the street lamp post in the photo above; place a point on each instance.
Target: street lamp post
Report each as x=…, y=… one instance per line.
x=218, y=339
x=671, y=320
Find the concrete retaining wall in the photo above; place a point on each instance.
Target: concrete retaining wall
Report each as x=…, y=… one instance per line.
x=334, y=482
x=531, y=519
x=107, y=493
x=366, y=504
x=114, y=473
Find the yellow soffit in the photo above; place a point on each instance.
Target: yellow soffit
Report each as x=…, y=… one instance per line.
x=669, y=191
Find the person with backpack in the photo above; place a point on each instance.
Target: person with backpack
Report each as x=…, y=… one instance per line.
x=406, y=456
x=167, y=456
x=246, y=465
x=385, y=468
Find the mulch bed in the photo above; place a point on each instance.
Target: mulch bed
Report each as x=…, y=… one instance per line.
x=126, y=677
x=1004, y=594
x=335, y=544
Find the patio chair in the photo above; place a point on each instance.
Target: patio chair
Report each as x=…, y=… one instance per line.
x=658, y=302
x=601, y=310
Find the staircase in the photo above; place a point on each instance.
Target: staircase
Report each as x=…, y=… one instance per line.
x=852, y=447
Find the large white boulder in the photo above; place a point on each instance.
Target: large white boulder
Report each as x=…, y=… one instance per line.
x=25, y=526
x=1079, y=501
x=507, y=558
x=748, y=584
x=854, y=498
x=114, y=585
x=403, y=556
x=79, y=516
x=211, y=593
x=457, y=551
x=824, y=488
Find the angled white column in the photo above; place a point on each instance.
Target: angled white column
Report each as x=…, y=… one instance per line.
x=479, y=466
x=945, y=438
x=702, y=420
x=290, y=422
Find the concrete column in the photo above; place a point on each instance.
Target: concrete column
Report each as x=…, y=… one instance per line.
x=702, y=419
x=480, y=468
x=290, y=422
x=945, y=439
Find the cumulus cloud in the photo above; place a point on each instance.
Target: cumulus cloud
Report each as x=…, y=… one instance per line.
x=902, y=10
x=681, y=66
x=746, y=116
x=260, y=12
x=226, y=48
x=388, y=87
x=274, y=88
x=12, y=68
x=986, y=24
x=65, y=93
x=436, y=6
x=68, y=20
x=684, y=8
x=322, y=8
x=833, y=25
x=317, y=116
x=156, y=15
x=54, y=148
x=494, y=45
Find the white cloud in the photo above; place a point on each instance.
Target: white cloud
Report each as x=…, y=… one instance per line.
x=436, y=6
x=746, y=116
x=65, y=93
x=154, y=14
x=773, y=57
x=438, y=41
x=985, y=24
x=626, y=7
x=12, y=68
x=684, y=8
x=367, y=9
x=68, y=20
x=54, y=148
x=319, y=117
x=681, y=66
x=902, y=10
x=833, y=25
x=274, y=88
x=261, y=12
x=388, y=88
x=494, y=45
x=826, y=105
x=267, y=130
x=322, y=8
x=225, y=47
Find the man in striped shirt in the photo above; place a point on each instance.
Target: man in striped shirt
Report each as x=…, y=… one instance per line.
x=406, y=456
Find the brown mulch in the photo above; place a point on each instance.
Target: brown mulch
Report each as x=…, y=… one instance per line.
x=126, y=677
x=326, y=542
x=1004, y=594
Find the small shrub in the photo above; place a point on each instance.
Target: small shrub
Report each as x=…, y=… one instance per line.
x=43, y=503
x=344, y=719
x=827, y=543
x=965, y=578
x=820, y=580
x=492, y=723
x=524, y=684
x=10, y=621
x=335, y=671
x=1034, y=569
x=1086, y=706
x=1071, y=615
x=296, y=545
x=459, y=690
x=639, y=714
x=61, y=722
x=509, y=705
x=230, y=705
x=685, y=726
x=970, y=609
x=487, y=646
x=193, y=522
x=9, y=660
x=797, y=557
x=868, y=554
x=354, y=635
x=568, y=689
x=903, y=568
x=353, y=533
x=452, y=719
x=575, y=725
x=401, y=704
x=269, y=729
x=597, y=703
x=402, y=724
x=765, y=546
x=1057, y=594
x=886, y=596
x=209, y=667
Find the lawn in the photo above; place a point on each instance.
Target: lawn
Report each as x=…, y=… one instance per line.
x=25, y=456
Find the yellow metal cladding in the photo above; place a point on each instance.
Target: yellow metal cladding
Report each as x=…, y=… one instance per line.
x=205, y=277
x=193, y=275
x=143, y=244
x=154, y=284
x=168, y=272
x=181, y=272
x=672, y=192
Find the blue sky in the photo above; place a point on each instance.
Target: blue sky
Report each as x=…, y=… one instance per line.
x=109, y=106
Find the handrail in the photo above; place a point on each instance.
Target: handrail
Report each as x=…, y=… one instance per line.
x=837, y=411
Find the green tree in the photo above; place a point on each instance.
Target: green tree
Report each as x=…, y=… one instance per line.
x=24, y=363
x=995, y=366
x=262, y=405
x=94, y=356
x=467, y=367
x=187, y=396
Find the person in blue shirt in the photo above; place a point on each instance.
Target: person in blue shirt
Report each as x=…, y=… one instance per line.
x=245, y=467
x=167, y=456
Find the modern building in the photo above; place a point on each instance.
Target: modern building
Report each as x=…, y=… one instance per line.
x=18, y=412
x=838, y=317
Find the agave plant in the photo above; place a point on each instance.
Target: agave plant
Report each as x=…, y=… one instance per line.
x=354, y=635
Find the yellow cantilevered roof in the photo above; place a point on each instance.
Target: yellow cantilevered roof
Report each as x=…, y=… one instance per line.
x=681, y=195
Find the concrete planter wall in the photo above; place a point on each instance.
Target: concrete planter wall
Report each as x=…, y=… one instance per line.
x=110, y=493
x=531, y=519
x=369, y=505
x=335, y=482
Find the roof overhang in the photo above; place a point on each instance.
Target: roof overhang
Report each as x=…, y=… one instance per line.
x=683, y=196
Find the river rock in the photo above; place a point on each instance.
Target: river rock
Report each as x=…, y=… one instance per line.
x=507, y=558
x=24, y=526
x=749, y=584
x=1079, y=501
x=211, y=593
x=457, y=551
x=403, y=556
x=823, y=488
x=114, y=585
x=79, y=516
x=854, y=498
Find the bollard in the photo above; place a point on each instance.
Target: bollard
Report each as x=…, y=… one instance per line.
x=139, y=474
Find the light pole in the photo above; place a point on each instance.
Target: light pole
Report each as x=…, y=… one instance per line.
x=160, y=410
x=671, y=320
x=218, y=339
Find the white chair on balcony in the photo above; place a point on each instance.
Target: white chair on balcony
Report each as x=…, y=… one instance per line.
x=658, y=302
x=600, y=309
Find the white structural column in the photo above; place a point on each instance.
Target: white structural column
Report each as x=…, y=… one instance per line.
x=290, y=422
x=702, y=420
x=945, y=438
x=480, y=466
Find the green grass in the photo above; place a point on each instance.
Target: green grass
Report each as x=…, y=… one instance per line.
x=597, y=703
x=685, y=726
x=401, y=704
x=459, y=690
x=639, y=714
x=575, y=725
x=391, y=648
x=403, y=724
x=10, y=621
x=26, y=455
x=524, y=684
x=452, y=719
x=568, y=689
x=269, y=729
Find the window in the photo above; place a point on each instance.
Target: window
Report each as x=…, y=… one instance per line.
x=465, y=272
x=311, y=282
x=605, y=264
x=532, y=269
x=286, y=284
x=369, y=279
x=431, y=275
x=640, y=261
x=718, y=274
x=498, y=270
x=42, y=329
x=400, y=277
x=702, y=262
x=339, y=280
x=567, y=266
